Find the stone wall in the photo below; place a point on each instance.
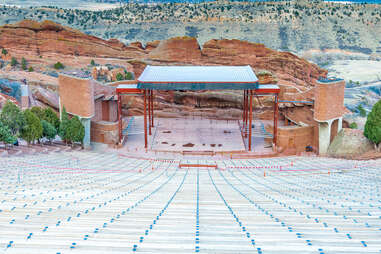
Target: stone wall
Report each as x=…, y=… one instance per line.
x=105, y=132
x=295, y=139
x=98, y=111
x=77, y=95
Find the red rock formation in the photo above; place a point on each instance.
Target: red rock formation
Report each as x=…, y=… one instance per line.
x=151, y=45
x=45, y=96
x=177, y=50
x=236, y=52
x=4, y=98
x=48, y=37
x=137, y=44
x=294, y=75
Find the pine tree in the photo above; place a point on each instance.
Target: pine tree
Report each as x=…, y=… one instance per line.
x=33, y=127
x=48, y=130
x=12, y=117
x=6, y=135
x=23, y=64
x=14, y=62
x=39, y=112
x=372, y=129
x=51, y=117
x=76, y=130
x=64, y=125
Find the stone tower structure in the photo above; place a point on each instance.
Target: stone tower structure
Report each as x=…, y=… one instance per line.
x=77, y=96
x=328, y=110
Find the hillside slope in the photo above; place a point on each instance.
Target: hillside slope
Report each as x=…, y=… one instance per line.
x=290, y=26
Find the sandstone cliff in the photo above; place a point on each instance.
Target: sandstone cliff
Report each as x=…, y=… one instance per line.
x=46, y=42
x=36, y=38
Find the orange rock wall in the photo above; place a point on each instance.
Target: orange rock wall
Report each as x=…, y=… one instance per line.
x=77, y=95
x=329, y=100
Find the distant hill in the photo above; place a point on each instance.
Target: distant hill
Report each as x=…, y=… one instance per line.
x=290, y=26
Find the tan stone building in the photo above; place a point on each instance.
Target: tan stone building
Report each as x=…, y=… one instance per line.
x=98, y=112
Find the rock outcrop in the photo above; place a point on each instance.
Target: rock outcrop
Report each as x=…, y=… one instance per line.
x=48, y=37
x=45, y=96
x=177, y=50
x=349, y=143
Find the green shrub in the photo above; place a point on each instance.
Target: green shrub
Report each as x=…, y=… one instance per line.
x=12, y=117
x=6, y=135
x=14, y=62
x=58, y=66
x=32, y=129
x=119, y=77
x=23, y=64
x=128, y=76
x=30, y=69
x=92, y=62
x=353, y=125
x=4, y=52
x=361, y=110
x=372, y=129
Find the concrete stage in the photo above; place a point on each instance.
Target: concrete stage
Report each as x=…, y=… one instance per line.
x=195, y=134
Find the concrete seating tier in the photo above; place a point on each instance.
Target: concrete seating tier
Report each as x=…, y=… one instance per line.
x=87, y=202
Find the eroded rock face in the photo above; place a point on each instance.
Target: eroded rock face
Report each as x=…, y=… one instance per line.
x=4, y=98
x=47, y=97
x=295, y=76
x=177, y=50
x=349, y=143
x=48, y=37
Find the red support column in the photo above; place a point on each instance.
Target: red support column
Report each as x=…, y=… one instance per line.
x=152, y=108
x=246, y=111
x=149, y=112
x=250, y=117
x=120, y=117
x=243, y=109
x=275, y=131
x=145, y=120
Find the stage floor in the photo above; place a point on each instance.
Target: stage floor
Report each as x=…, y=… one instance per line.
x=188, y=134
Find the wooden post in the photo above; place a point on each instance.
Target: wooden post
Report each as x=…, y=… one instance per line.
x=251, y=118
x=275, y=129
x=120, y=117
x=145, y=120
